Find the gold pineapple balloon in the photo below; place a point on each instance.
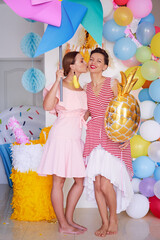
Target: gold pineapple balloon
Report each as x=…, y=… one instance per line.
x=122, y=115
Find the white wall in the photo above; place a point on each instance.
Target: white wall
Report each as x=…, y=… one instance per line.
x=13, y=28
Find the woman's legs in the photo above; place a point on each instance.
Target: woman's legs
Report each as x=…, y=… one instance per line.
x=57, y=201
x=102, y=206
x=72, y=199
x=110, y=196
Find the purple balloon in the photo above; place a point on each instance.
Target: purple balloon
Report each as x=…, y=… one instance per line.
x=146, y=187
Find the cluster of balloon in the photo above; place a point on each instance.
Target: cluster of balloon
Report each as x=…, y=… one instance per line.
x=122, y=116
x=130, y=26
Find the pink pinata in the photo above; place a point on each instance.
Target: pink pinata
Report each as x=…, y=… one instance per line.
x=19, y=134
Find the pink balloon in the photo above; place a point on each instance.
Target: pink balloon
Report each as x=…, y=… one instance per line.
x=131, y=62
x=140, y=8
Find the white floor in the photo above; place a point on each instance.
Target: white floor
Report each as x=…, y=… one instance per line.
x=147, y=228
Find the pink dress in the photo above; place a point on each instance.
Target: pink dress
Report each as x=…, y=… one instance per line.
x=63, y=151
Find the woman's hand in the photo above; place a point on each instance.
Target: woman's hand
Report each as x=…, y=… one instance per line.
x=59, y=74
x=86, y=115
x=124, y=145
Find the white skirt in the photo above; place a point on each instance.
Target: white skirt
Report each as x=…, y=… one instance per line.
x=101, y=162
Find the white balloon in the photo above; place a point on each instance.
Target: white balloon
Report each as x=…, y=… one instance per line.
x=147, y=109
x=138, y=207
x=107, y=6
x=157, y=189
x=109, y=17
x=154, y=151
x=150, y=130
x=135, y=184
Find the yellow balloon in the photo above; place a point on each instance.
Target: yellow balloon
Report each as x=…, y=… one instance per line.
x=155, y=45
x=139, y=146
x=141, y=79
x=123, y=16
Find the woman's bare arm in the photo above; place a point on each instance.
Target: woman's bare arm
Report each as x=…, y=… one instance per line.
x=86, y=115
x=50, y=99
x=114, y=87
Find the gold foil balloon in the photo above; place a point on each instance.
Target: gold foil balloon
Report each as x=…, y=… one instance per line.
x=122, y=116
x=123, y=16
x=141, y=80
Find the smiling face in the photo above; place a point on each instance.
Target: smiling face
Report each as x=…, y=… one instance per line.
x=96, y=63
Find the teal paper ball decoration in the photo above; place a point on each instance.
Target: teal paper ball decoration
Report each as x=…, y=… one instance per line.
x=29, y=44
x=33, y=80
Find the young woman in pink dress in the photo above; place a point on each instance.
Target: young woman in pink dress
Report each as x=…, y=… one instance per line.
x=63, y=154
x=109, y=168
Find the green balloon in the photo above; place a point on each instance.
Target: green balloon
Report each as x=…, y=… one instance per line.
x=150, y=70
x=143, y=54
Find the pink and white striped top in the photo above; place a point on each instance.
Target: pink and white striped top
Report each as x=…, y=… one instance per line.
x=96, y=133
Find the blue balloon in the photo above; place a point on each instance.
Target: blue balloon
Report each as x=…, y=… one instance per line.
x=145, y=33
x=149, y=18
x=154, y=90
x=156, y=113
x=144, y=95
x=112, y=31
x=157, y=174
x=124, y=48
x=143, y=167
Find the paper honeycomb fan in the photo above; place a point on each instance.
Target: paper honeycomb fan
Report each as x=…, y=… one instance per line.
x=122, y=115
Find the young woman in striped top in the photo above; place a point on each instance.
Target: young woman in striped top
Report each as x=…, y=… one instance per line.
x=109, y=169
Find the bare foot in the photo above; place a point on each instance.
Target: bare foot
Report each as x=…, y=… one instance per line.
x=70, y=230
x=113, y=227
x=102, y=232
x=82, y=228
